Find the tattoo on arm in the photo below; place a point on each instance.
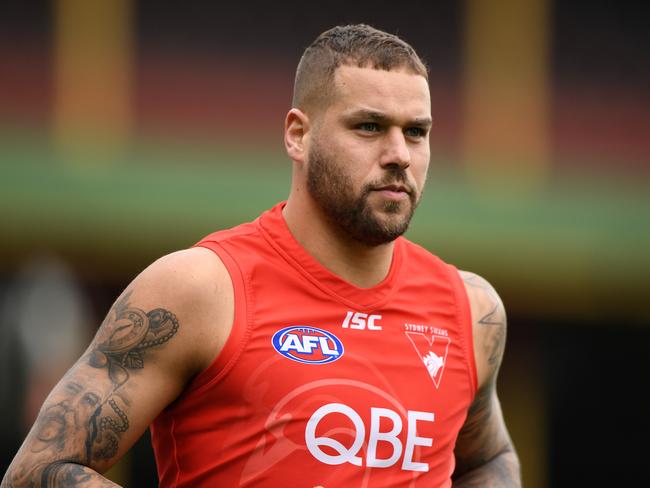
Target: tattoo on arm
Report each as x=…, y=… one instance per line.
x=493, y=315
x=129, y=332
x=92, y=413
x=485, y=455
x=72, y=475
x=475, y=445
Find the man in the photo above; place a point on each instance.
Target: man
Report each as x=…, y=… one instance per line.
x=314, y=346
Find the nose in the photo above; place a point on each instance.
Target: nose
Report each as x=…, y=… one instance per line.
x=396, y=151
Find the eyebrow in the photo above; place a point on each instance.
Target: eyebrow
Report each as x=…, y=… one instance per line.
x=382, y=117
x=75, y=387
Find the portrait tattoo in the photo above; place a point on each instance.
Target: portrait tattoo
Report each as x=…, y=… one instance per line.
x=93, y=412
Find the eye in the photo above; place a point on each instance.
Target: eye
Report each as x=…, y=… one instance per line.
x=415, y=132
x=368, y=127
x=91, y=399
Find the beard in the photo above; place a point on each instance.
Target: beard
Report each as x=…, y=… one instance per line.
x=331, y=188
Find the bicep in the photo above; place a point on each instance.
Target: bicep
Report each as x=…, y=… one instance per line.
x=489, y=326
x=106, y=400
x=152, y=341
x=484, y=434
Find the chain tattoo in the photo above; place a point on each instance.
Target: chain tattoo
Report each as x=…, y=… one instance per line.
x=88, y=410
x=122, y=350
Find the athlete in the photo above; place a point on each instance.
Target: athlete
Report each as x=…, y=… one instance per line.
x=313, y=347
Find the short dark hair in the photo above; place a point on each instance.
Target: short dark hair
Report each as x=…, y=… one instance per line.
x=349, y=45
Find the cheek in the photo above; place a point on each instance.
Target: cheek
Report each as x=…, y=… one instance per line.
x=348, y=162
x=421, y=175
x=419, y=168
x=352, y=152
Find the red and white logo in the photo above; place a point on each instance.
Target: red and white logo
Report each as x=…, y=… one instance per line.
x=336, y=453
x=361, y=321
x=432, y=349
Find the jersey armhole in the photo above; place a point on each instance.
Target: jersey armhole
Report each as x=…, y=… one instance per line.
x=227, y=357
x=465, y=318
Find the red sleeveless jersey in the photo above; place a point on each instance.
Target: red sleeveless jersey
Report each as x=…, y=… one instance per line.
x=322, y=383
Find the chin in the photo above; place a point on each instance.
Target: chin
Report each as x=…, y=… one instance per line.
x=394, y=212
x=396, y=220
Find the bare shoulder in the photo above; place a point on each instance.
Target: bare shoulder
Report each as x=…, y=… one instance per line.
x=191, y=269
x=193, y=273
x=488, y=324
x=196, y=286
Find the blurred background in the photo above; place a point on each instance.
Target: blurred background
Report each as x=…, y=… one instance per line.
x=129, y=129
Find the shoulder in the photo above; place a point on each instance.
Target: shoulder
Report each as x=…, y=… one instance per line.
x=191, y=268
x=488, y=325
x=184, y=278
x=195, y=286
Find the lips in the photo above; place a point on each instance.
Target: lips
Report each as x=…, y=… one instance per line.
x=394, y=188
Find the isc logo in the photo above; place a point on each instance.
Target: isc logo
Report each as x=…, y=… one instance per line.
x=338, y=453
x=308, y=345
x=358, y=320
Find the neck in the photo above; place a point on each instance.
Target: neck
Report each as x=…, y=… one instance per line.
x=362, y=265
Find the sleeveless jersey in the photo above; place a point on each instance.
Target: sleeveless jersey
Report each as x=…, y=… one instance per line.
x=322, y=383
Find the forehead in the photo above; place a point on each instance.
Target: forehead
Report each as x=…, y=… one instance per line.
x=396, y=92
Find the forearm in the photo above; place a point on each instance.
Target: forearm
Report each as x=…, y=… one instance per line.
x=502, y=471
x=56, y=474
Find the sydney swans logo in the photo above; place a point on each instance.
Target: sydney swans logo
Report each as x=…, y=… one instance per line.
x=432, y=345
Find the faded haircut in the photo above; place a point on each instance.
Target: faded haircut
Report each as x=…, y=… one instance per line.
x=349, y=45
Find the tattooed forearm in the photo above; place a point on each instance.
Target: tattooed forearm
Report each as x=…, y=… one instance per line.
x=72, y=475
x=56, y=474
x=83, y=420
x=502, y=471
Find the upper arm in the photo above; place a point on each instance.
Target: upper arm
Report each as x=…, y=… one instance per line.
x=484, y=434
x=165, y=327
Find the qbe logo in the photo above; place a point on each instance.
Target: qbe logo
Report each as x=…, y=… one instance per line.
x=308, y=345
x=337, y=453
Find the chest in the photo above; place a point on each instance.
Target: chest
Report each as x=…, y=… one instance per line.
x=309, y=346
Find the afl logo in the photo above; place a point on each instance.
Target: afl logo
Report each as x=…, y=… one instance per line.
x=308, y=345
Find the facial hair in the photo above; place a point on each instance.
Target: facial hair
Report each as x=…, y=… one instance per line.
x=331, y=188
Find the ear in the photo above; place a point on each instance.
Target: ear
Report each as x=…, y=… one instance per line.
x=296, y=129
